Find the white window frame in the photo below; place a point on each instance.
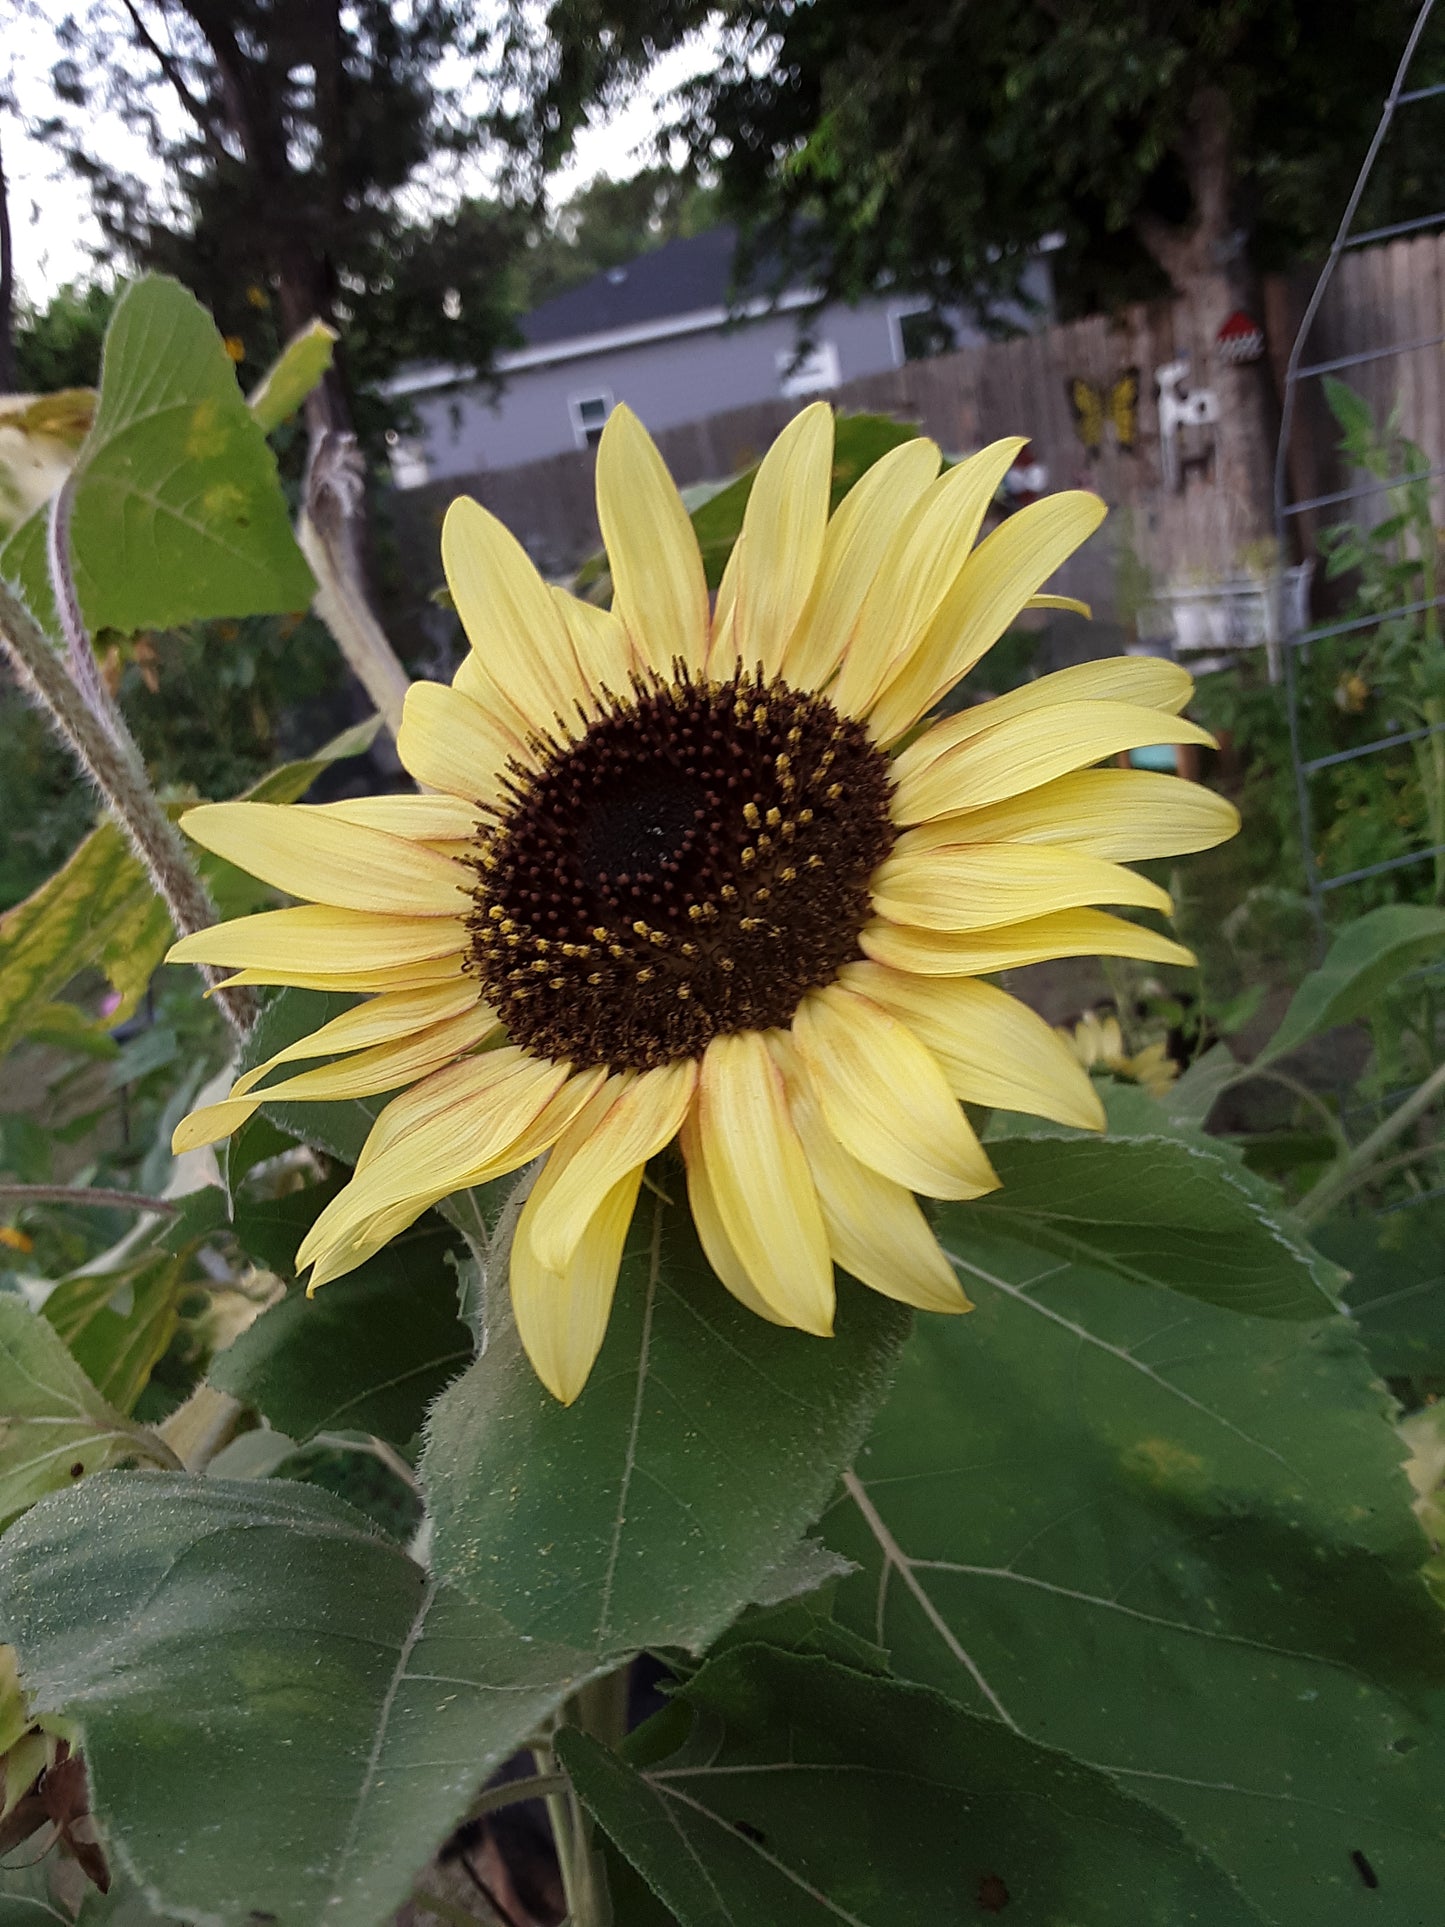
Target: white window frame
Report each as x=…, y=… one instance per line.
x=575, y=405
x=821, y=360
x=898, y=313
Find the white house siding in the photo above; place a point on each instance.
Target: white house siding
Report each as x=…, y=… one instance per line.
x=668, y=382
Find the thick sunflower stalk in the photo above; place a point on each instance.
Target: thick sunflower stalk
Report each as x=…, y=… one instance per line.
x=694, y=874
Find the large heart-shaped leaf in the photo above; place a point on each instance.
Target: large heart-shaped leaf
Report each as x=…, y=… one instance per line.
x=1165, y=1206
x=178, y=514
x=809, y=1793
x=282, y=1713
x=369, y=1353
x=1177, y=1544
x=652, y=1510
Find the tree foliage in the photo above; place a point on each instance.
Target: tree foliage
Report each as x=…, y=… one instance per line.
x=937, y=143
x=288, y=139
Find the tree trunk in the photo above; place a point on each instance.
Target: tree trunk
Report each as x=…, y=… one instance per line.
x=1208, y=263
x=9, y=379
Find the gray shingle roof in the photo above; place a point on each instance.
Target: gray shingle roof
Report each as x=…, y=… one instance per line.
x=676, y=279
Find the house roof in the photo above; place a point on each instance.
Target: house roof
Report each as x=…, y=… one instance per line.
x=680, y=288
x=678, y=278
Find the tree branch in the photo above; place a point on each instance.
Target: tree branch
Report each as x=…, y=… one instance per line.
x=171, y=70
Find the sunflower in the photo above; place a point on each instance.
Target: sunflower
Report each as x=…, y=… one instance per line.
x=691, y=873
x=1098, y=1043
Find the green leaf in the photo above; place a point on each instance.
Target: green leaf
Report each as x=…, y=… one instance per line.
x=66, y=926
x=808, y=1792
x=860, y=441
x=289, y=782
x=1176, y=1543
x=281, y=1712
x=54, y=1425
x=292, y=376
x=1396, y=1294
x=367, y=1354
x=1363, y=961
x=178, y=513
x=652, y=1510
x=118, y=1315
x=1174, y=1209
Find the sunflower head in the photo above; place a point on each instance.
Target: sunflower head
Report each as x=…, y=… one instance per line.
x=690, y=870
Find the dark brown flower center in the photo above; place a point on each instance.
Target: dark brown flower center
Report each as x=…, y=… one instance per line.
x=691, y=865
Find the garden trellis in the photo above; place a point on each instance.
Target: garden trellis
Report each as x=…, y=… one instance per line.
x=1294, y=514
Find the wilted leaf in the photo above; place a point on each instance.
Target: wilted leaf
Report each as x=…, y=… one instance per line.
x=55, y=1427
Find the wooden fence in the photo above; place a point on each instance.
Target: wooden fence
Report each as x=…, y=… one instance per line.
x=1215, y=520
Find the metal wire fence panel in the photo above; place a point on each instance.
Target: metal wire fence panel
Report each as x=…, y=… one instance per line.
x=1374, y=315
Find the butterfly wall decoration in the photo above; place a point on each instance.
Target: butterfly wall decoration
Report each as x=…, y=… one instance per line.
x=1097, y=409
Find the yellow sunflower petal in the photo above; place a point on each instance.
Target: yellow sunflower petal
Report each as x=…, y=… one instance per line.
x=992, y=1049
x=1024, y=752
x=885, y=1098
x=449, y=743
x=380, y=1020
x=923, y=561
x=1126, y=815
x=422, y=819
x=978, y=953
x=360, y=980
x=363, y=1074
x=213, y=1122
x=992, y=587
x=562, y=1315
x=707, y=1222
x=510, y=615
x=477, y=1133
x=1148, y=682
x=977, y=886
x=766, y=1200
x=1071, y=603
x=783, y=529
x=722, y=646
x=659, y=589
x=601, y=644
x=868, y=518
x=309, y=854
x=633, y=1117
x=875, y=1228
x=315, y=937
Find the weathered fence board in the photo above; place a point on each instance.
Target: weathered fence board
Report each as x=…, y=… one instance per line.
x=1217, y=521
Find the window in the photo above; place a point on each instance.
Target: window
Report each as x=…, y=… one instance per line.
x=589, y=417
x=811, y=373
x=919, y=333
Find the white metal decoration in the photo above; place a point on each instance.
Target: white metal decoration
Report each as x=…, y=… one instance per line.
x=1183, y=408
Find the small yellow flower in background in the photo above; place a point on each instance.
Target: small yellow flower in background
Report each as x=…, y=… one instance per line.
x=235, y=347
x=681, y=879
x=14, y=1239
x=1098, y=1043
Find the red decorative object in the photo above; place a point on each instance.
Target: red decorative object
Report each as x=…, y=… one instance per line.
x=1241, y=339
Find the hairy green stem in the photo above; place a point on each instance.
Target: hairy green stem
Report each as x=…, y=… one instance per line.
x=116, y=770
x=1351, y=1171
x=86, y=1194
